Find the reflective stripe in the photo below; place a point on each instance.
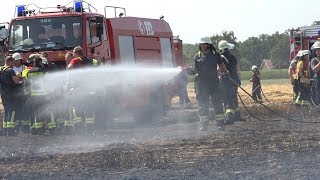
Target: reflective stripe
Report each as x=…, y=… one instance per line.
x=199, y=54
x=229, y=111
x=236, y=110
x=220, y=117
x=90, y=120
x=52, y=124
x=76, y=120
x=305, y=103
x=4, y=125
x=203, y=118
x=17, y=123
x=40, y=93
x=11, y=125
x=37, y=125
x=25, y=123
x=68, y=123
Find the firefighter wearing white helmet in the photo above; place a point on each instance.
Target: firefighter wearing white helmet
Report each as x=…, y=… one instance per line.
x=21, y=120
x=230, y=86
x=256, y=84
x=206, y=62
x=315, y=66
x=301, y=76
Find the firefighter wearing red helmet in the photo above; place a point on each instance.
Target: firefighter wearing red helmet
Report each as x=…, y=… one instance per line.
x=206, y=62
x=315, y=66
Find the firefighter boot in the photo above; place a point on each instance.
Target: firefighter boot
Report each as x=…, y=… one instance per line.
x=203, y=123
x=237, y=116
x=220, y=125
x=25, y=127
x=229, y=117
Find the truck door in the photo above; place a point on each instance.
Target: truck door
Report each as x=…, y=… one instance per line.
x=96, y=38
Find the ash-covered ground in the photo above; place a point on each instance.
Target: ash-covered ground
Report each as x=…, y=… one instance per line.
x=173, y=149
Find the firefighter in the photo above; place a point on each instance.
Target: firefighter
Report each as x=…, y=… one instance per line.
x=206, y=62
x=315, y=66
x=41, y=120
x=301, y=75
x=21, y=119
x=182, y=82
x=78, y=110
x=256, y=84
x=10, y=83
x=293, y=81
x=230, y=88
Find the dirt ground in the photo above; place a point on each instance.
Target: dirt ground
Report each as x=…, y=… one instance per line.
x=269, y=148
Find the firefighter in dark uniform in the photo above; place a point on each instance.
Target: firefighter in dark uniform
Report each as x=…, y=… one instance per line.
x=10, y=83
x=315, y=66
x=206, y=62
x=21, y=119
x=229, y=87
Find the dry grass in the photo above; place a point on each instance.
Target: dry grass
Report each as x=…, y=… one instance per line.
x=276, y=91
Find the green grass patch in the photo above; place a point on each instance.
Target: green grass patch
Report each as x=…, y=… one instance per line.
x=267, y=74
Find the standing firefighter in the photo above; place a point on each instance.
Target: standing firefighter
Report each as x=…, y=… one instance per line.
x=77, y=110
x=294, y=82
x=301, y=75
x=206, y=62
x=39, y=98
x=21, y=119
x=10, y=83
x=315, y=66
x=256, y=84
x=230, y=87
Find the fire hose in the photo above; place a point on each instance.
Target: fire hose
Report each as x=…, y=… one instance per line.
x=271, y=110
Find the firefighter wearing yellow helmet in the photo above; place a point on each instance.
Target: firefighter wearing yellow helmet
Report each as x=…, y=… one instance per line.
x=230, y=88
x=315, y=66
x=206, y=62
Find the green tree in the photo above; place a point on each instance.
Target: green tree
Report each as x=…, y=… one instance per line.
x=189, y=51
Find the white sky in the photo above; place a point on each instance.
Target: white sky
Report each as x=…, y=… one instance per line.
x=192, y=19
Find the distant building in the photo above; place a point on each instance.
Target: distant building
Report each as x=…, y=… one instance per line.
x=266, y=64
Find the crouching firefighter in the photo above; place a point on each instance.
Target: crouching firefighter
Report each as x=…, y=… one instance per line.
x=301, y=75
x=206, y=62
x=40, y=119
x=230, y=87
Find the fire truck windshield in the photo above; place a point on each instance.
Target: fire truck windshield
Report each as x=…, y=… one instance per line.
x=50, y=33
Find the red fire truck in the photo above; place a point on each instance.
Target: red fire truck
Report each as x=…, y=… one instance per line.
x=303, y=38
x=116, y=40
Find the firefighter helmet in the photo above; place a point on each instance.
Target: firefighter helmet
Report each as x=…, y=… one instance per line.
x=254, y=68
x=17, y=56
x=302, y=53
x=316, y=45
x=205, y=40
x=223, y=44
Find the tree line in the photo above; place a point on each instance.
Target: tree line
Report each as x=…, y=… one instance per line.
x=251, y=51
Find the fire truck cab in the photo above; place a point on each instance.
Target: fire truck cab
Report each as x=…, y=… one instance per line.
x=116, y=40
